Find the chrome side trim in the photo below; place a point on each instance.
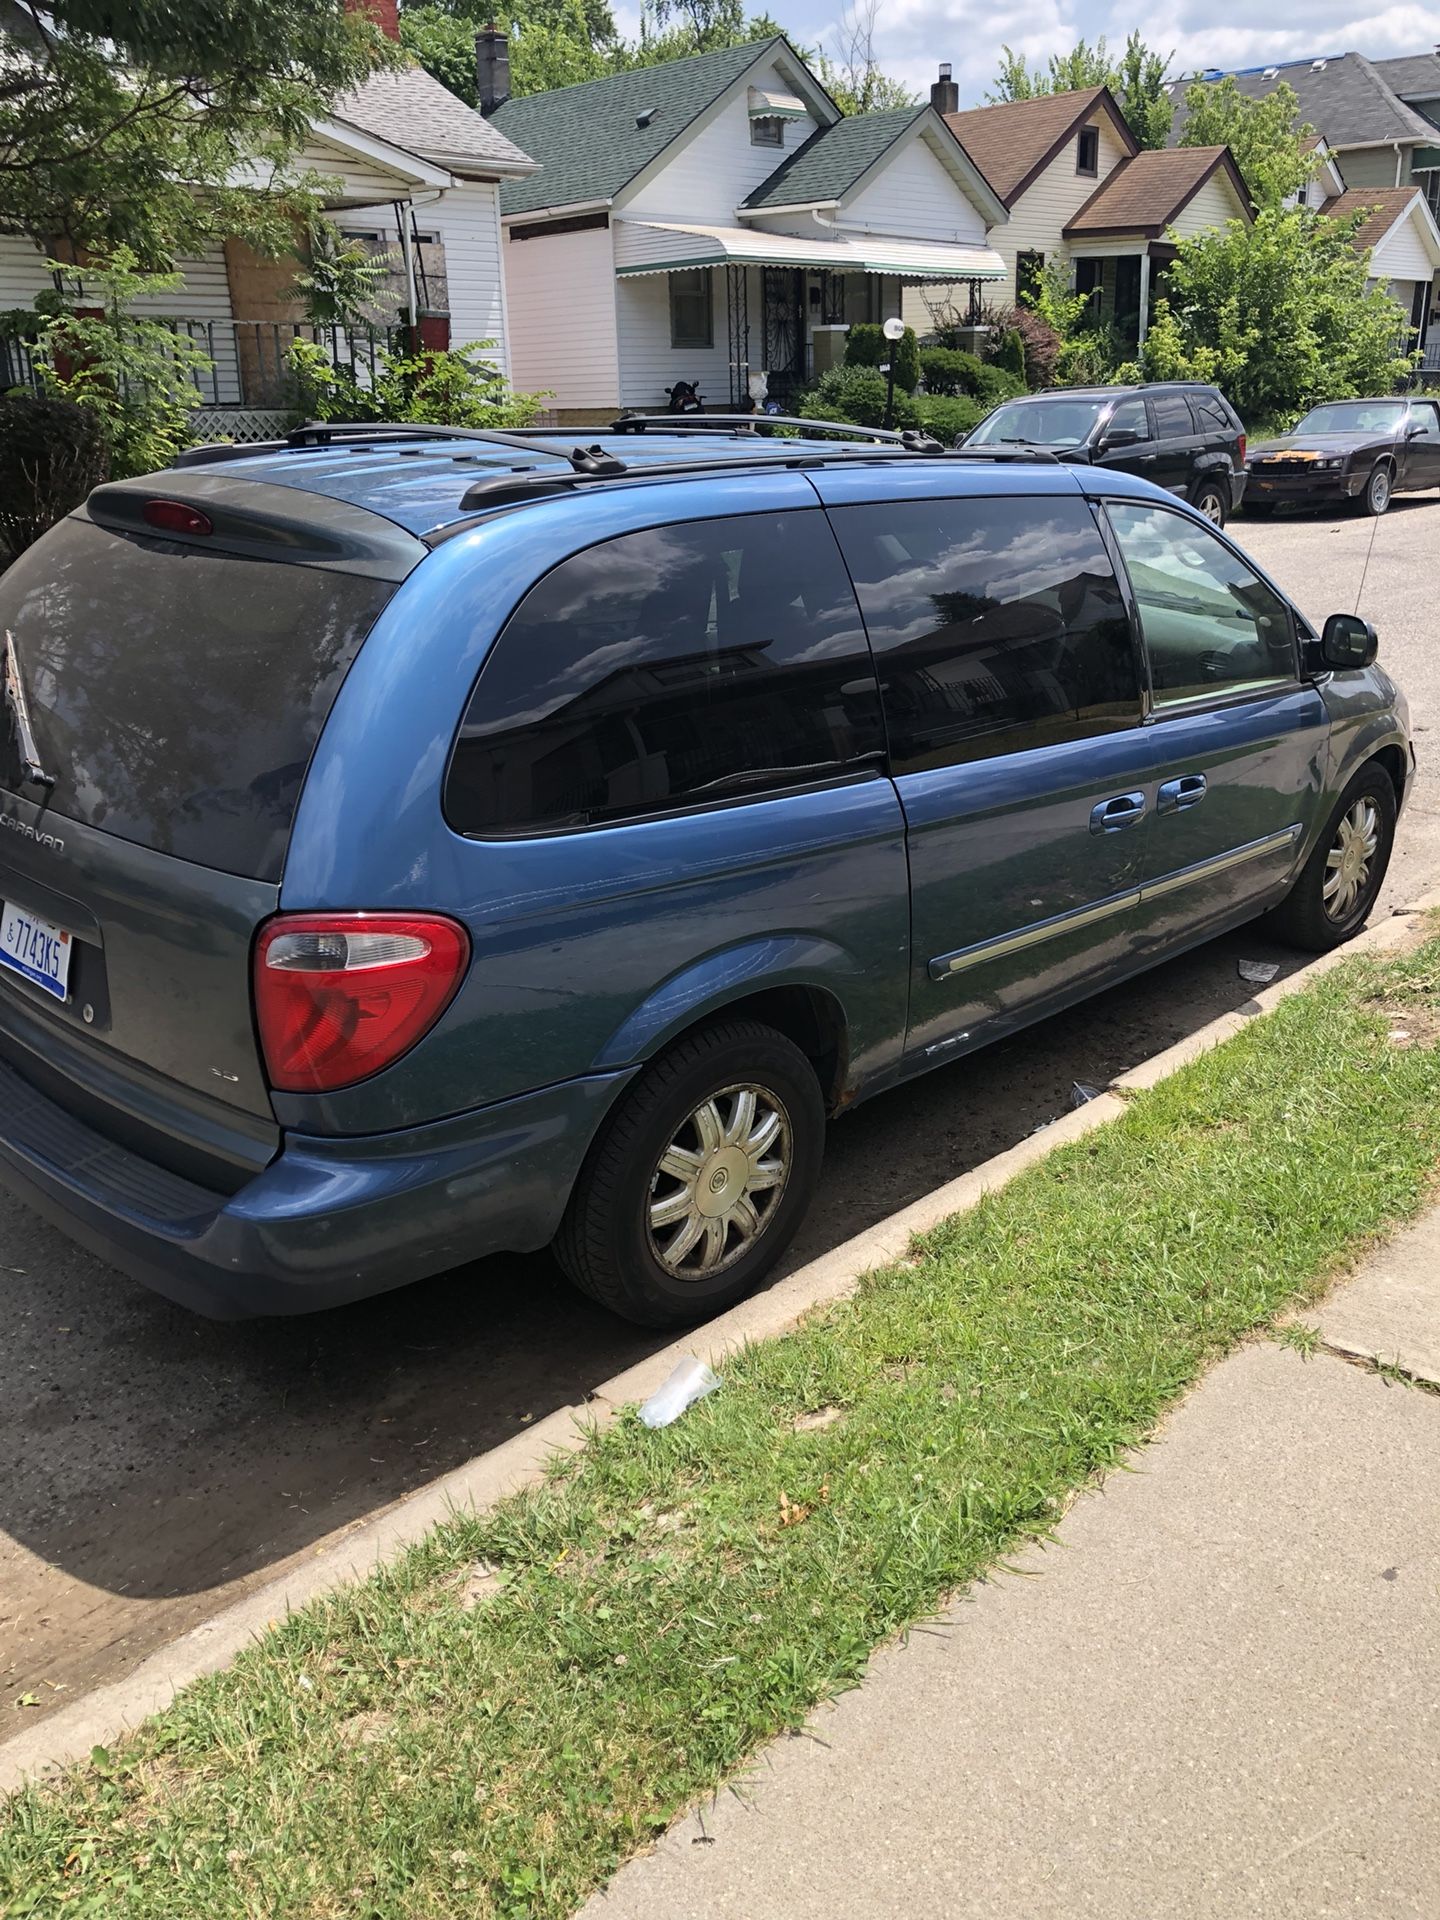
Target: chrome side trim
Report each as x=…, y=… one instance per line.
x=1221, y=862
x=963, y=957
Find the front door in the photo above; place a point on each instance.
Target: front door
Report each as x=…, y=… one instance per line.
x=1010, y=685
x=1238, y=740
x=783, y=307
x=1422, y=445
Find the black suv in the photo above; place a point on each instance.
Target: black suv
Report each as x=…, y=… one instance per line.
x=1179, y=434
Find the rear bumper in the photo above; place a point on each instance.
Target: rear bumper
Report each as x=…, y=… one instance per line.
x=329, y=1220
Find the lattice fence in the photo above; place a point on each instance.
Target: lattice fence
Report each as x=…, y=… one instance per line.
x=241, y=424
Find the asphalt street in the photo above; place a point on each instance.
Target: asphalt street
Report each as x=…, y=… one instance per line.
x=159, y=1464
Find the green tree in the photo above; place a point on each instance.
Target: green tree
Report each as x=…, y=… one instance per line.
x=1137, y=79
x=1279, y=315
x=1142, y=88
x=553, y=43
x=675, y=29
x=1265, y=135
x=125, y=127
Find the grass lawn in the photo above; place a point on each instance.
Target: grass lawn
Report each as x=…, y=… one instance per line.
x=492, y=1724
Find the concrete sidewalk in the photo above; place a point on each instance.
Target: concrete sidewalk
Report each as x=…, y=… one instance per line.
x=1218, y=1693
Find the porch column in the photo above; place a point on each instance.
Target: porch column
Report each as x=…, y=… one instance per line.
x=1144, y=298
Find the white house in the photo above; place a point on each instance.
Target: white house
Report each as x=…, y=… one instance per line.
x=411, y=169
x=717, y=218
x=1399, y=233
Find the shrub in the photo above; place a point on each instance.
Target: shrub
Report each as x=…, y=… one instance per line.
x=133, y=373
x=949, y=370
x=52, y=452
x=857, y=395
x=1039, y=337
x=864, y=346
x=948, y=416
x=459, y=388
x=995, y=384
x=1009, y=354
x=905, y=359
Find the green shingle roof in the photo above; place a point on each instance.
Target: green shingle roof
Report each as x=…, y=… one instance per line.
x=585, y=137
x=831, y=160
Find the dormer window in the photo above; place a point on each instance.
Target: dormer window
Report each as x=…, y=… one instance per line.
x=1087, y=152
x=767, y=130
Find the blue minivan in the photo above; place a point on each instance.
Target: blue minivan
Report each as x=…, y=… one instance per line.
x=417, y=843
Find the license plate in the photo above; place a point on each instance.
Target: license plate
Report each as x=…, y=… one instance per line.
x=36, y=948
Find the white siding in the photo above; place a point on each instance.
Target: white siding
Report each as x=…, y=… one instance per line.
x=22, y=271
x=354, y=178
x=914, y=193
x=561, y=292
x=204, y=298
x=467, y=219
x=710, y=171
x=1401, y=255
x=1215, y=203
x=648, y=362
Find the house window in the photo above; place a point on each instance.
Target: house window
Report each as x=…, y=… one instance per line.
x=1087, y=153
x=692, y=309
x=1429, y=182
x=1028, y=268
x=1087, y=279
x=767, y=130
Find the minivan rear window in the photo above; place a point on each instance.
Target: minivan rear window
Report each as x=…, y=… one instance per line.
x=176, y=692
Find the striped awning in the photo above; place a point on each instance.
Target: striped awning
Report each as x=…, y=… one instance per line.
x=649, y=246
x=769, y=103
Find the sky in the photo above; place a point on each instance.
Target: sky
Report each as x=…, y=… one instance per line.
x=912, y=36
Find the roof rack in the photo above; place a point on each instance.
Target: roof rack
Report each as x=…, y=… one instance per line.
x=594, y=463
x=912, y=440
x=323, y=434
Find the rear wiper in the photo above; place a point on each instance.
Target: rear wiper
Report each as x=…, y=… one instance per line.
x=30, y=767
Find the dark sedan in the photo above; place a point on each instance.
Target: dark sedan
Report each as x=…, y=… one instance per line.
x=1359, y=451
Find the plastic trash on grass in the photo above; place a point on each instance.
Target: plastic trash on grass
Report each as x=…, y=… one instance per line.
x=690, y=1381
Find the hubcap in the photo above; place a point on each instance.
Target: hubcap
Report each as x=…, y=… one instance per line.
x=717, y=1184
x=1349, y=862
x=1211, y=508
x=1380, y=488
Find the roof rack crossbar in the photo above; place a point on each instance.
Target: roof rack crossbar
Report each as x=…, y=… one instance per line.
x=728, y=422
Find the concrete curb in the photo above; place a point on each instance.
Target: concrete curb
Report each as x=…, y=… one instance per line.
x=103, y=1715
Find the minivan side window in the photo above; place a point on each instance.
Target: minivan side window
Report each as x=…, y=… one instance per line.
x=1210, y=625
x=997, y=625
x=664, y=669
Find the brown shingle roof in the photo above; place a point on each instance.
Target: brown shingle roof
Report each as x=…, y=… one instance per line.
x=1010, y=143
x=1382, y=206
x=1144, y=194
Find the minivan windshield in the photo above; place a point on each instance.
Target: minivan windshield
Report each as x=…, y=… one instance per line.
x=175, y=693
x=1043, y=422
x=1353, y=416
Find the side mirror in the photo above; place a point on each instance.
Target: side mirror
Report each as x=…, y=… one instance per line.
x=1118, y=437
x=1348, y=642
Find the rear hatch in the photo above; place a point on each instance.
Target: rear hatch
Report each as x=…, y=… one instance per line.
x=174, y=685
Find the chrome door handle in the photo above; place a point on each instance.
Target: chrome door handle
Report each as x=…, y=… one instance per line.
x=1175, y=795
x=1123, y=811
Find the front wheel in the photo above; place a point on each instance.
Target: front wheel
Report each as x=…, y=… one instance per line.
x=1375, y=497
x=699, y=1179
x=1212, y=500
x=1331, y=900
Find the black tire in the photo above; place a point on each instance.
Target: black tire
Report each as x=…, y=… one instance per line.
x=1303, y=919
x=1260, y=509
x=1212, y=498
x=606, y=1243
x=1375, y=496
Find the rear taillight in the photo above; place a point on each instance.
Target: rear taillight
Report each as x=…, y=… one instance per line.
x=173, y=516
x=338, y=996
x=1242, y=449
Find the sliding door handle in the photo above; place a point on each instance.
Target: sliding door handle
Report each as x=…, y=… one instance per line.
x=1175, y=795
x=1113, y=815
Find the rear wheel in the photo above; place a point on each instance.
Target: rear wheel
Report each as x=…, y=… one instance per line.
x=700, y=1178
x=1374, y=498
x=1331, y=900
x=1212, y=500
